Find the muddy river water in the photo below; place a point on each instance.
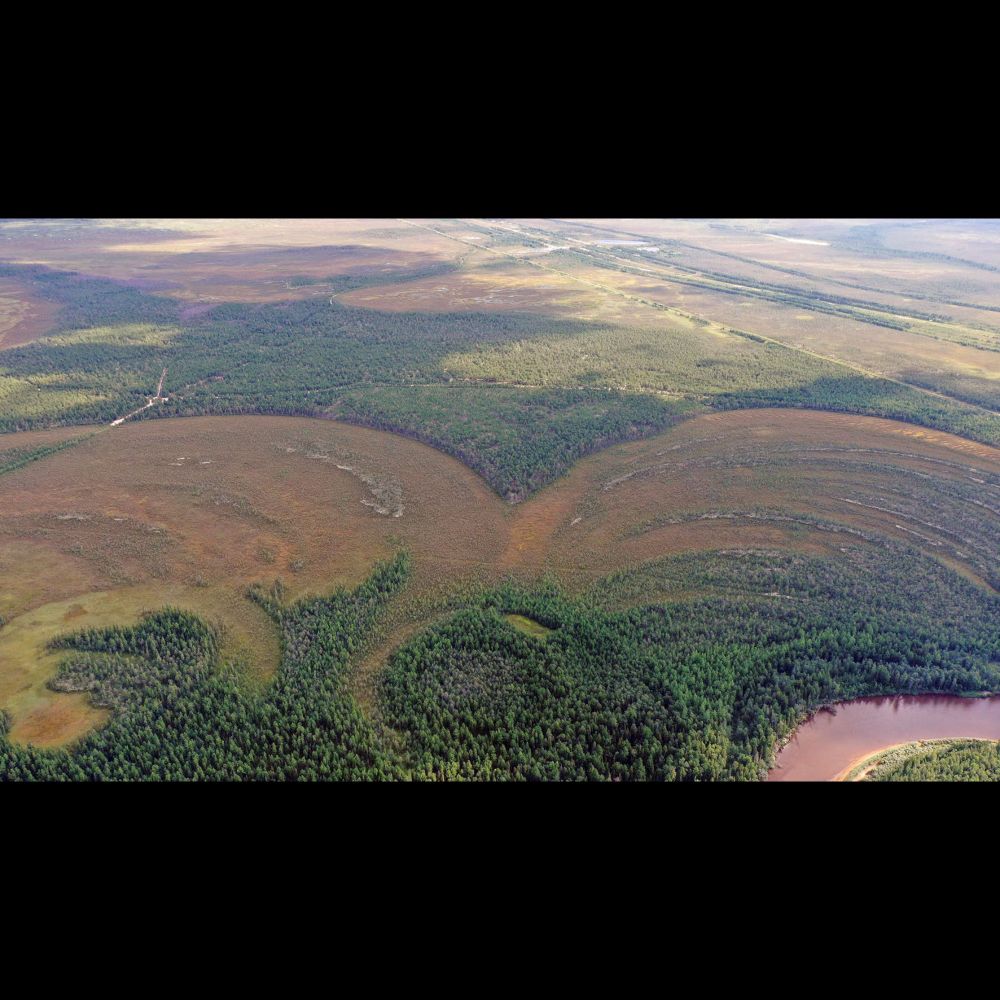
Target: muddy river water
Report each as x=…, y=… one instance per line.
x=833, y=741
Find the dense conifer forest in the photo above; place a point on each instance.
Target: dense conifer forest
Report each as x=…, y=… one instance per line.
x=691, y=690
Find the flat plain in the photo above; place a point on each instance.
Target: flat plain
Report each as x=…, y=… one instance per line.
x=191, y=512
x=513, y=403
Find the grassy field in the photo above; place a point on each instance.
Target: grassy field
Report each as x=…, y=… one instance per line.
x=529, y=626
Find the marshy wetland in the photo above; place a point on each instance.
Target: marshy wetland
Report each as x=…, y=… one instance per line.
x=485, y=499
x=191, y=512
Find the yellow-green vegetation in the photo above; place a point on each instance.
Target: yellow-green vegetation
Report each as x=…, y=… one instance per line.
x=31, y=401
x=122, y=335
x=46, y=718
x=529, y=626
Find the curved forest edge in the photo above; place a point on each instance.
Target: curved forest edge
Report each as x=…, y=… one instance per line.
x=506, y=394
x=695, y=689
x=685, y=668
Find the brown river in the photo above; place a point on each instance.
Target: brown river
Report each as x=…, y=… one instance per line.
x=833, y=741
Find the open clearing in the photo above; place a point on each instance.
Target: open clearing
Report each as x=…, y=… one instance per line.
x=529, y=626
x=23, y=317
x=190, y=511
x=206, y=261
x=484, y=285
x=794, y=479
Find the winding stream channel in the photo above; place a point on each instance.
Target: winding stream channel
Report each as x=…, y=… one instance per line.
x=833, y=741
